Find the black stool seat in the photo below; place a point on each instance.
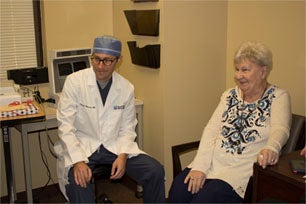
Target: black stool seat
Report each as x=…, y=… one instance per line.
x=101, y=172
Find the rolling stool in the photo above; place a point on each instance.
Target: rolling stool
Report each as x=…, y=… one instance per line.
x=103, y=172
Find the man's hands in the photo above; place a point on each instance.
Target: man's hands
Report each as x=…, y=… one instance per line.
x=303, y=152
x=196, y=181
x=118, y=167
x=82, y=173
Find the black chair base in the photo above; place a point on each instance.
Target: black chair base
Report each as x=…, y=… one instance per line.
x=103, y=172
x=103, y=199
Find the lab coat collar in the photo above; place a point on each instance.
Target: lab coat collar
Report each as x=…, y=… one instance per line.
x=93, y=82
x=114, y=91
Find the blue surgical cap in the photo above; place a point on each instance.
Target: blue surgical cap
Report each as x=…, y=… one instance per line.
x=107, y=45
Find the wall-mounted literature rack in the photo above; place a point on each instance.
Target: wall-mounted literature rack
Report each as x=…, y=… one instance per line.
x=148, y=56
x=143, y=22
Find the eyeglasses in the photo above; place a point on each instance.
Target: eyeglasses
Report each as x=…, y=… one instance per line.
x=106, y=61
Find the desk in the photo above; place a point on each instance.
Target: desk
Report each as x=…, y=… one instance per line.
x=6, y=123
x=50, y=122
x=278, y=182
x=26, y=128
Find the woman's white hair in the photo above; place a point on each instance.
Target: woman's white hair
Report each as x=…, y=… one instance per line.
x=255, y=52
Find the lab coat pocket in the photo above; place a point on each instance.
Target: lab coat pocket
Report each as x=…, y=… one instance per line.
x=113, y=120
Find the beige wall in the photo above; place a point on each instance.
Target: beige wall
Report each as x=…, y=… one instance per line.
x=281, y=25
x=148, y=82
x=198, y=39
x=67, y=24
x=181, y=95
x=194, y=39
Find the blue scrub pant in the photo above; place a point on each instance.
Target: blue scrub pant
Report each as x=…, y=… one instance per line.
x=142, y=168
x=213, y=191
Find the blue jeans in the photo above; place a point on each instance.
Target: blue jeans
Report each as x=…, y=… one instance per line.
x=213, y=191
x=144, y=169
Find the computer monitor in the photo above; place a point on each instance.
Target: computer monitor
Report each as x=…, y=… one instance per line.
x=61, y=64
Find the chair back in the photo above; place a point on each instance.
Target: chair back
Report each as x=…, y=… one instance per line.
x=296, y=138
x=177, y=150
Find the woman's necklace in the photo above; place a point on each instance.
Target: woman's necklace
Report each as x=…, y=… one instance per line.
x=261, y=95
x=250, y=116
x=251, y=107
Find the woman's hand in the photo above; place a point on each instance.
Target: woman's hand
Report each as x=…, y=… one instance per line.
x=196, y=181
x=118, y=167
x=267, y=157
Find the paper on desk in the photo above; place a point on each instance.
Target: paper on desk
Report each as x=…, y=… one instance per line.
x=11, y=108
x=8, y=95
x=16, y=110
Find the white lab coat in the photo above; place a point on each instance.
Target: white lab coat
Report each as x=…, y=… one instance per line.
x=85, y=124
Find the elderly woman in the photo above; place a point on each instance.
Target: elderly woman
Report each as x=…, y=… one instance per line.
x=251, y=123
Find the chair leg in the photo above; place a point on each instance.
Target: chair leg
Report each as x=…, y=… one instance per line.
x=100, y=198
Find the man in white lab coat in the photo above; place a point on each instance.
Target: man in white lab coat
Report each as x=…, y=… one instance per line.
x=97, y=120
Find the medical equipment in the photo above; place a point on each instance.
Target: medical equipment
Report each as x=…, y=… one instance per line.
x=62, y=63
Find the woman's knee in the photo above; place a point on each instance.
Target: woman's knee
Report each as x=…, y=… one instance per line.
x=178, y=191
x=216, y=190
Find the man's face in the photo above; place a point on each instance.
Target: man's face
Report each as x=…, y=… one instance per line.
x=103, y=65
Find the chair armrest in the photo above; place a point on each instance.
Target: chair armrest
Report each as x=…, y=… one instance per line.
x=177, y=150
